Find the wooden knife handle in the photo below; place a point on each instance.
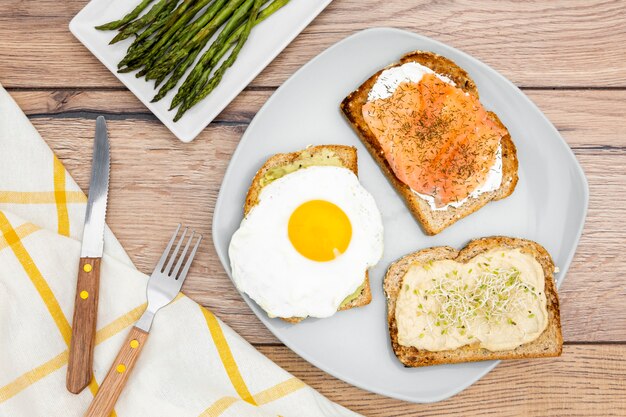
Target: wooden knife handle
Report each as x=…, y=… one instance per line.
x=116, y=378
x=80, y=362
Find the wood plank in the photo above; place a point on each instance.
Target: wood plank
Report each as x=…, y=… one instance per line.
x=586, y=118
x=588, y=380
x=122, y=101
x=560, y=43
x=47, y=102
x=533, y=43
x=153, y=175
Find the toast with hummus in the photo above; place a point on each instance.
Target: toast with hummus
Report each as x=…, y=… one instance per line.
x=494, y=299
x=285, y=163
x=423, y=123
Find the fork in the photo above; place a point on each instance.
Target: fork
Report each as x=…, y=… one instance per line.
x=164, y=285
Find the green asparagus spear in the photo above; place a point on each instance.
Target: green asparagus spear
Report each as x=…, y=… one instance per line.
x=176, y=56
x=195, y=86
x=129, y=17
x=235, y=20
x=182, y=39
x=158, y=23
x=175, y=32
x=230, y=26
x=200, y=74
x=134, y=56
x=177, y=20
x=176, y=75
x=217, y=77
x=140, y=23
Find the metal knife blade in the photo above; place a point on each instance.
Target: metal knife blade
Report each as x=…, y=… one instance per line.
x=93, y=233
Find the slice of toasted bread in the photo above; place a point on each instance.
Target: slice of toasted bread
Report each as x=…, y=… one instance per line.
x=348, y=157
x=549, y=343
x=432, y=221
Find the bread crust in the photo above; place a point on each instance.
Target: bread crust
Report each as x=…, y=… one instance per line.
x=548, y=344
x=432, y=221
x=348, y=157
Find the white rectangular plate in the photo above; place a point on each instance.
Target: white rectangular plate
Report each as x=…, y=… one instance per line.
x=548, y=205
x=265, y=42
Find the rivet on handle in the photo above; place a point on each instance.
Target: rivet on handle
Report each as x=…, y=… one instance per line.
x=134, y=344
x=87, y=267
x=84, y=295
x=120, y=368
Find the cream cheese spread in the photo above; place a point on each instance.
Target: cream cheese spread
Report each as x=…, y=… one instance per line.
x=391, y=78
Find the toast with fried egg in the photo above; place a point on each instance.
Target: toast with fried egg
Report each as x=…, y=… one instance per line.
x=281, y=164
x=546, y=344
x=432, y=219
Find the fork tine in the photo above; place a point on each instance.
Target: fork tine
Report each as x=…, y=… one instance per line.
x=183, y=273
x=159, y=265
x=174, y=253
x=181, y=258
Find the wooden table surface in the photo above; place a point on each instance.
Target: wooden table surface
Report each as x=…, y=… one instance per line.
x=569, y=57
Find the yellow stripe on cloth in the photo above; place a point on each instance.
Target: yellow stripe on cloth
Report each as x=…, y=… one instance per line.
x=274, y=393
x=52, y=365
x=279, y=391
x=39, y=197
x=227, y=357
x=32, y=376
x=120, y=323
x=41, y=286
x=61, y=197
x=22, y=231
x=219, y=406
x=46, y=294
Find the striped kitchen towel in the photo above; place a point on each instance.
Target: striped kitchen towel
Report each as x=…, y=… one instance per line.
x=194, y=365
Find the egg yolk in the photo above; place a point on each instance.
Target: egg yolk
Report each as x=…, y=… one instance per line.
x=319, y=230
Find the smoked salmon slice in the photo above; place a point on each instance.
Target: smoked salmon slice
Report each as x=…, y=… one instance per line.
x=438, y=140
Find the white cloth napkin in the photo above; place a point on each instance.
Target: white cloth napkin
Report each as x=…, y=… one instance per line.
x=192, y=365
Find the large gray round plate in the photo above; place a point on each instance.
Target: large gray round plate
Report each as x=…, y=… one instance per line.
x=548, y=205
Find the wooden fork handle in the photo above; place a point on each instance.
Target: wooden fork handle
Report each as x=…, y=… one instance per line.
x=114, y=382
x=80, y=361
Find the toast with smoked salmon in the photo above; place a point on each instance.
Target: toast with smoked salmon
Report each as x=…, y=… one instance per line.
x=545, y=343
x=420, y=138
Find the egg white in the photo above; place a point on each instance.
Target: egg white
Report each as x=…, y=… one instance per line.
x=267, y=267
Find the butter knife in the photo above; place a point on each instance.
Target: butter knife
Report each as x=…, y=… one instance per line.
x=80, y=362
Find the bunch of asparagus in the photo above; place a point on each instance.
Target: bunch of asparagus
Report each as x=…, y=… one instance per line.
x=170, y=36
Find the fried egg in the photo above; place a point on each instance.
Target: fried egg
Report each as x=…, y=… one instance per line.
x=308, y=242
